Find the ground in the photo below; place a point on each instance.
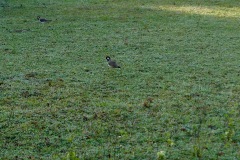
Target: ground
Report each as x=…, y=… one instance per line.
x=176, y=95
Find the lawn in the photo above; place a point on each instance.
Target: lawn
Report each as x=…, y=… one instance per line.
x=176, y=95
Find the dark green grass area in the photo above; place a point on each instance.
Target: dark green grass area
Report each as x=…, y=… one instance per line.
x=176, y=95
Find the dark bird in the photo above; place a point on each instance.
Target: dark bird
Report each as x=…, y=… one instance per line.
x=112, y=63
x=42, y=20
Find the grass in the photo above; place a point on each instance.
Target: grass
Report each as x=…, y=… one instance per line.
x=176, y=95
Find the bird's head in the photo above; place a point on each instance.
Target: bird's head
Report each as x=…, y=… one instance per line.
x=108, y=58
x=38, y=17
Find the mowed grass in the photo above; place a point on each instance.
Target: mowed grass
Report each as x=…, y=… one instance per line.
x=176, y=95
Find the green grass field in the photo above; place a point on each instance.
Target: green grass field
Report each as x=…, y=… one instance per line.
x=176, y=96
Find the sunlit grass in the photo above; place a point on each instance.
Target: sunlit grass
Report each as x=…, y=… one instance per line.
x=232, y=12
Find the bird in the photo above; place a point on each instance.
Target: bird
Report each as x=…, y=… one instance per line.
x=112, y=63
x=42, y=20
